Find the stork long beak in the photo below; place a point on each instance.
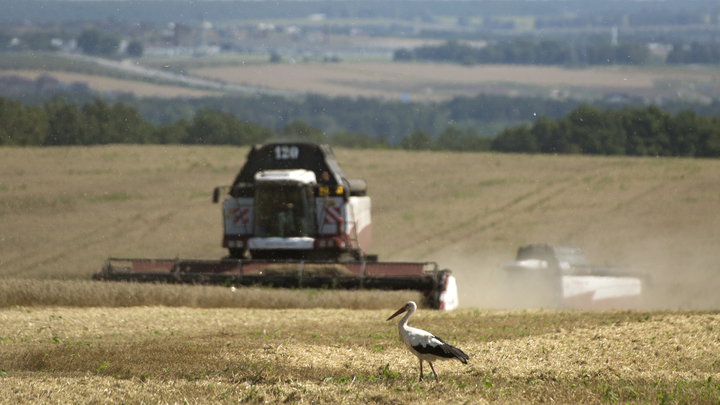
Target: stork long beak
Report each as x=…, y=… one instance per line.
x=399, y=311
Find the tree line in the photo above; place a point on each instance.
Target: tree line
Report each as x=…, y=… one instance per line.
x=58, y=122
x=646, y=15
x=61, y=123
x=694, y=53
x=392, y=119
x=645, y=131
x=529, y=52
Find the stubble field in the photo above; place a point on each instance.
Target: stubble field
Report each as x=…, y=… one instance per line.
x=185, y=355
x=64, y=210
x=438, y=81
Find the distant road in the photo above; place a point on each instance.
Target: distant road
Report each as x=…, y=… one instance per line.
x=191, y=81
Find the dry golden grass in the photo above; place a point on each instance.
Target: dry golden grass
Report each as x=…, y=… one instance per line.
x=86, y=293
x=63, y=211
x=181, y=355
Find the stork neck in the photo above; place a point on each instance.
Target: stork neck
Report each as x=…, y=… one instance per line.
x=403, y=321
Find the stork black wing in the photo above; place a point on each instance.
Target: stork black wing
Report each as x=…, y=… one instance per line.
x=443, y=350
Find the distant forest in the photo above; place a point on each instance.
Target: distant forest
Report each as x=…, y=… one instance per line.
x=390, y=120
x=646, y=131
x=694, y=53
x=529, y=52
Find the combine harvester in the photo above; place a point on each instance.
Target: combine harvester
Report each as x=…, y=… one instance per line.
x=293, y=220
x=560, y=277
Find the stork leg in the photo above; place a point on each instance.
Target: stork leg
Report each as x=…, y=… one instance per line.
x=433, y=369
x=421, y=374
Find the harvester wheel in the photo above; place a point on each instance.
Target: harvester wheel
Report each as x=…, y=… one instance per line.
x=352, y=256
x=238, y=254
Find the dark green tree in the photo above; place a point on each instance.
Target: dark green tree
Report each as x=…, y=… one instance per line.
x=108, y=45
x=275, y=57
x=89, y=41
x=135, y=48
x=66, y=125
x=220, y=128
x=416, y=140
x=98, y=123
x=646, y=131
x=38, y=41
x=590, y=131
x=516, y=139
x=455, y=139
x=173, y=133
x=21, y=126
x=300, y=131
x=546, y=133
x=709, y=139
x=129, y=126
x=684, y=133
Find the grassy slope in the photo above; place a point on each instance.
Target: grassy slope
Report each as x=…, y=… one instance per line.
x=64, y=210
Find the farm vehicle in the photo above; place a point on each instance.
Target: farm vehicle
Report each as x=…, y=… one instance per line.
x=293, y=220
x=561, y=277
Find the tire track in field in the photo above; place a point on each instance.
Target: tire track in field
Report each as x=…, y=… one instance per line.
x=452, y=235
x=512, y=210
x=524, y=203
x=628, y=202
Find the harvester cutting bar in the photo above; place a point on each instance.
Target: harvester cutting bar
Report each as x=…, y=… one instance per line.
x=237, y=266
x=438, y=286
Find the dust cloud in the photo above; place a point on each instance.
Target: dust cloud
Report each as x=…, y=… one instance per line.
x=684, y=275
x=482, y=283
x=686, y=279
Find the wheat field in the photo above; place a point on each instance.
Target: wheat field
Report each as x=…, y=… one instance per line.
x=66, y=339
x=63, y=211
x=442, y=81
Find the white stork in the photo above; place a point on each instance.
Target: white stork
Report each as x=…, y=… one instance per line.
x=423, y=344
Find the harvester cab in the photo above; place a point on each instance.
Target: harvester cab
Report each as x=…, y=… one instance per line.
x=287, y=204
x=292, y=201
